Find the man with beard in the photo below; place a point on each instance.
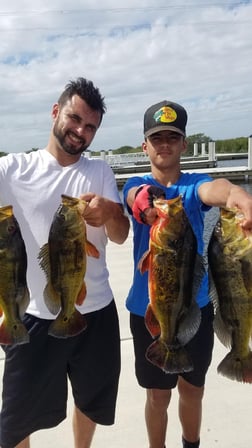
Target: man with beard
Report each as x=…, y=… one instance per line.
x=36, y=373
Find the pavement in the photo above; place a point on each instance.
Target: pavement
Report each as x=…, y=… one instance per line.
x=227, y=406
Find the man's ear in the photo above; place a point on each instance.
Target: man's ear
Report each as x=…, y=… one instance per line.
x=55, y=111
x=144, y=147
x=184, y=147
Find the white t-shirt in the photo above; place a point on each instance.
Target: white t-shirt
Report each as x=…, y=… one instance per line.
x=33, y=183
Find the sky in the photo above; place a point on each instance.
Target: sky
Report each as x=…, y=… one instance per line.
x=194, y=52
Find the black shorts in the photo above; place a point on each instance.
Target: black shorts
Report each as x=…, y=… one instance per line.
x=36, y=376
x=200, y=349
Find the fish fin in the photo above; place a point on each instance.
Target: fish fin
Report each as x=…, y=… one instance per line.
x=246, y=268
x=151, y=322
x=236, y=368
x=198, y=274
x=223, y=333
x=82, y=294
x=44, y=260
x=52, y=299
x=189, y=324
x=212, y=292
x=23, y=302
x=91, y=250
x=13, y=333
x=143, y=264
x=66, y=326
x=169, y=360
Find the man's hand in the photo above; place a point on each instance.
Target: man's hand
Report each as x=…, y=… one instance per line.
x=98, y=210
x=143, y=202
x=102, y=211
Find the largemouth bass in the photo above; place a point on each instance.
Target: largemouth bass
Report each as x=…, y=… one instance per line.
x=230, y=261
x=14, y=294
x=63, y=260
x=172, y=316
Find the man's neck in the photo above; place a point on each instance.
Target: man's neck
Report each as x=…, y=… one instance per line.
x=61, y=156
x=166, y=178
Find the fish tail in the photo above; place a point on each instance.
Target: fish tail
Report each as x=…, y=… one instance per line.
x=236, y=368
x=14, y=333
x=169, y=359
x=65, y=326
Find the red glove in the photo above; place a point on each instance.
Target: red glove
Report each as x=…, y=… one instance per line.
x=144, y=197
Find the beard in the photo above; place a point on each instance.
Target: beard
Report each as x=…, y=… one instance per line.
x=68, y=147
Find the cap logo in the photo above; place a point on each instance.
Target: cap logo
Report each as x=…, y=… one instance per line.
x=165, y=115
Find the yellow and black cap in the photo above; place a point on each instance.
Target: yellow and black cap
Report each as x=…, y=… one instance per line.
x=163, y=116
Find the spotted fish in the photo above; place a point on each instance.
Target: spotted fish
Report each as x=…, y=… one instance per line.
x=172, y=316
x=63, y=260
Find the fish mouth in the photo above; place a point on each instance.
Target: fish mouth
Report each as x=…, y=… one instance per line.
x=165, y=204
x=69, y=200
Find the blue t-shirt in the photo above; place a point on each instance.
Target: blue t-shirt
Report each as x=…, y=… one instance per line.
x=187, y=186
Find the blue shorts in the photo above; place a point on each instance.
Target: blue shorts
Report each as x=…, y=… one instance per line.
x=200, y=349
x=36, y=376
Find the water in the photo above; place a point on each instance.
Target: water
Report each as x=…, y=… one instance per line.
x=237, y=162
x=232, y=162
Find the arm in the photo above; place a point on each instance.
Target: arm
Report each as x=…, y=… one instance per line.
x=102, y=211
x=131, y=196
x=223, y=193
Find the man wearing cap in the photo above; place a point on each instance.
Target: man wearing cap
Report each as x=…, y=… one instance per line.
x=164, y=143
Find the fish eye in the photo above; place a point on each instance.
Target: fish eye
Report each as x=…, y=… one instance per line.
x=11, y=228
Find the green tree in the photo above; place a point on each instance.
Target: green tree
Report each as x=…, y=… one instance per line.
x=234, y=145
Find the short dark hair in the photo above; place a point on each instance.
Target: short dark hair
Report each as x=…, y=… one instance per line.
x=86, y=90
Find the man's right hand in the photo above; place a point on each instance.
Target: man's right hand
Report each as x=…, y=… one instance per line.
x=142, y=208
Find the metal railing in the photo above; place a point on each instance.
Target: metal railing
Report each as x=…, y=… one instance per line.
x=140, y=158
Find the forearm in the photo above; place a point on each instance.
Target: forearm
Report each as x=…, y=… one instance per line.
x=223, y=193
x=131, y=196
x=117, y=226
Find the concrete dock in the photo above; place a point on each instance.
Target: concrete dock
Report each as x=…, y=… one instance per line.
x=232, y=173
x=227, y=407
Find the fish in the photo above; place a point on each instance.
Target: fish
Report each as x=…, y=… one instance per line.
x=172, y=316
x=230, y=264
x=63, y=259
x=14, y=292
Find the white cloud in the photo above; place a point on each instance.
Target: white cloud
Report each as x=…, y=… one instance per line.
x=197, y=53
